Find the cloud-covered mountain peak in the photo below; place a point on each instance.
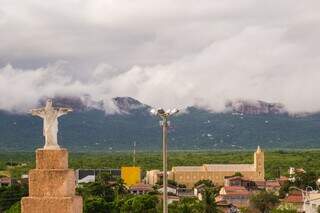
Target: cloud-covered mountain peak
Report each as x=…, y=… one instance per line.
x=255, y=107
x=128, y=104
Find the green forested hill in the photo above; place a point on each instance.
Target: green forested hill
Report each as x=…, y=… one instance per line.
x=93, y=130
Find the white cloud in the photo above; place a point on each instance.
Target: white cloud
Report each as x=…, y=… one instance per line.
x=164, y=53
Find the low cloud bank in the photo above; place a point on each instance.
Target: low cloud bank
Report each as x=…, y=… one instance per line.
x=243, y=67
x=164, y=53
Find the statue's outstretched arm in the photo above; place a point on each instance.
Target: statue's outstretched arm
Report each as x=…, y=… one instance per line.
x=63, y=111
x=38, y=112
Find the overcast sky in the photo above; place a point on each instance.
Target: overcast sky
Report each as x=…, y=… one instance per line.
x=171, y=53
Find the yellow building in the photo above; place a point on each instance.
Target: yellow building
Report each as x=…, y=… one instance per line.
x=131, y=175
x=189, y=175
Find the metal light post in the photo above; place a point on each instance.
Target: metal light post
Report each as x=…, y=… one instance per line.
x=164, y=115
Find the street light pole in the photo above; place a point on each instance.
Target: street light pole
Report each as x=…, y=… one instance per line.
x=164, y=115
x=164, y=158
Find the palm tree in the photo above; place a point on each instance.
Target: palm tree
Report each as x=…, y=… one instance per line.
x=119, y=187
x=208, y=201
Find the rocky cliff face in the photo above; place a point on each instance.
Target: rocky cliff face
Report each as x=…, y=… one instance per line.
x=124, y=105
x=78, y=104
x=255, y=107
x=129, y=105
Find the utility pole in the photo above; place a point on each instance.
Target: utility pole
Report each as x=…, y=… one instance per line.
x=134, y=153
x=164, y=115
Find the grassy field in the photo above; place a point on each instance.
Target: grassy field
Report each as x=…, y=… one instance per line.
x=276, y=162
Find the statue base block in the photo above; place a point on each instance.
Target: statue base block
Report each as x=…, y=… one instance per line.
x=51, y=204
x=52, y=159
x=51, y=182
x=52, y=185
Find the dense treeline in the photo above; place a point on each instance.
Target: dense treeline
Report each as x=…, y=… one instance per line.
x=276, y=162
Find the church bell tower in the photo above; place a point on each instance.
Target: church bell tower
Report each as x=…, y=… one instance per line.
x=259, y=164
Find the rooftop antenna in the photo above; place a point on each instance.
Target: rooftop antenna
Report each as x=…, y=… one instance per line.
x=134, y=153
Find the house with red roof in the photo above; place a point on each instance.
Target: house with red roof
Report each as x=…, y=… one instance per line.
x=273, y=186
x=140, y=188
x=240, y=181
x=7, y=181
x=295, y=199
x=236, y=195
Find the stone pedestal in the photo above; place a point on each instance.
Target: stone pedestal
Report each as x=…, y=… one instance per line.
x=51, y=185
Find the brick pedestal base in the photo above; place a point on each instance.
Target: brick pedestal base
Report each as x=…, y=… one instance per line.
x=51, y=204
x=51, y=185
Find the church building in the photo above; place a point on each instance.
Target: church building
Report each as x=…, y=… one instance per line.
x=189, y=175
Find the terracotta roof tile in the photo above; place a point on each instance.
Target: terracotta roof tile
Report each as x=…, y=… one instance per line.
x=232, y=188
x=238, y=193
x=236, y=190
x=141, y=186
x=272, y=183
x=5, y=180
x=294, y=198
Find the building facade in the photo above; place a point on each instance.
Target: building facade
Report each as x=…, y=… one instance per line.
x=189, y=175
x=131, y=175
x=236, y=195
x=82, y=173
x=312, y=202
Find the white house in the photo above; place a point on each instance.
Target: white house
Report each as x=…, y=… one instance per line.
x=311, y=202
x=87, y=179
x=170, y=189
x=198, y=191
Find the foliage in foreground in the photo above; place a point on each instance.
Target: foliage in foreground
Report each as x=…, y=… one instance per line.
x=9, y=195
x=302, y=181
x=15, y=208
x=193, y=205
x=109, y=194
x=264, y=201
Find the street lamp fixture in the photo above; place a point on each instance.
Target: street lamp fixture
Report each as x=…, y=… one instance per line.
x=164, y=115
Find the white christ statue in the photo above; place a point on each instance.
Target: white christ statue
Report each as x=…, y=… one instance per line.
x=50, y=115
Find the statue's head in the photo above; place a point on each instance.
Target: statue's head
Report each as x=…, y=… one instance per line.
x=49, y=104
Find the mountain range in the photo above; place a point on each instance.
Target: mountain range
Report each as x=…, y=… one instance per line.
x=243, y=125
